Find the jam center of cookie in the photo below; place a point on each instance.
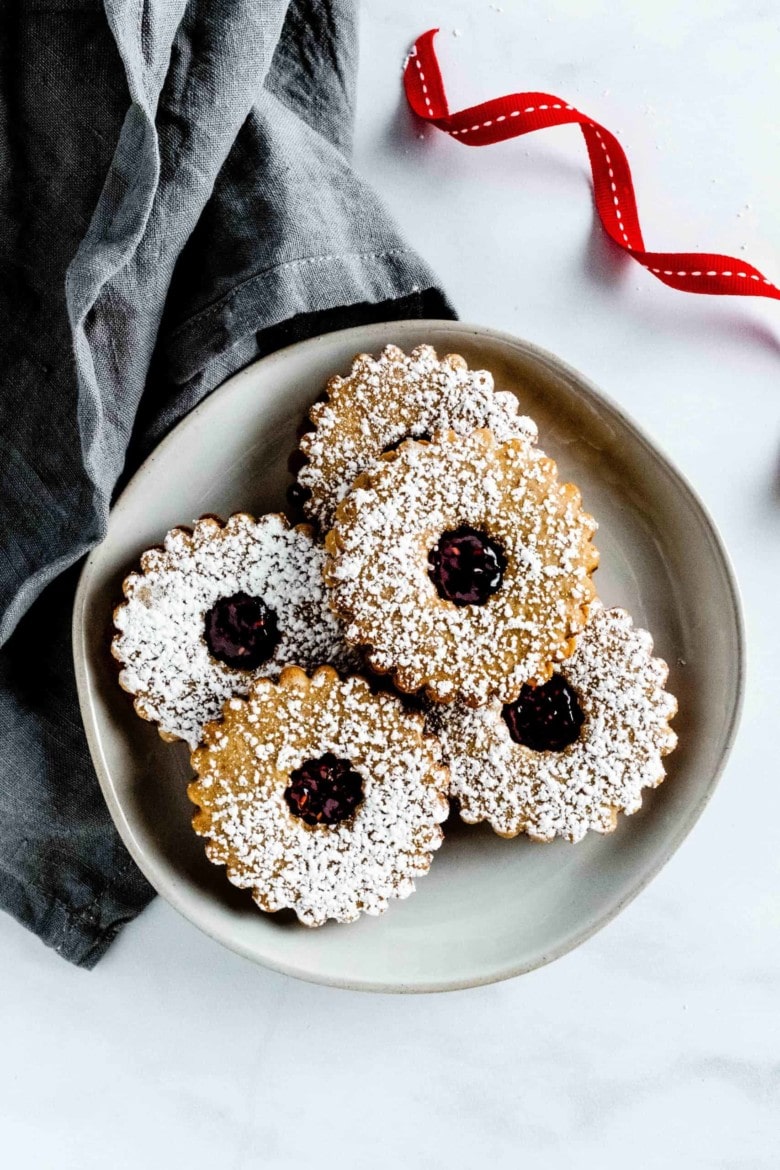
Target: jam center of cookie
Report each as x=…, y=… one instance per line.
x=466, y=566
x=546, y=718
x=423, y=437
x=241, y=631
x=324, y=791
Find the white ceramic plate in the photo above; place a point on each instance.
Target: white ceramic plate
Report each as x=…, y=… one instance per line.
x=489, y=908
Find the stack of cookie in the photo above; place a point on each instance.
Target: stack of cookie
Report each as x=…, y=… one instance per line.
x=431, y=634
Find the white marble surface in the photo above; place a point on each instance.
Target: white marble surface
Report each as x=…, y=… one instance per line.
x=656, y=1045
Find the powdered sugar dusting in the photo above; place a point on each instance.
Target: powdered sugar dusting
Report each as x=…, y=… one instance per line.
x=620, y=687
x=324, y=871
x=161, y=644
x=378, y=566
x=390, y=398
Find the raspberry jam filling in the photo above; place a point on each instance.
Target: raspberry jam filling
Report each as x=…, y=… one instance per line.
x=546, y=718
x=324, y=791
x=241, y=631
x=423, y=437
x=466, y=566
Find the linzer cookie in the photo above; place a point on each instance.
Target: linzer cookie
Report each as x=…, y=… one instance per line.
x=214, y=608
x=319, y=795
x=385, y=400
x=570, y=755
x=463, y=566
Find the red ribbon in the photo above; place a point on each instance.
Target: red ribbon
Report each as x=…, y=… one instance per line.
x=521, y=113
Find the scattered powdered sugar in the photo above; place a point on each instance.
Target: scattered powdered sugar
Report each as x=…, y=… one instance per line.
x=324, y=871
x=378, y=566
x=161, y=644
x=387, y=399
x=620, y=688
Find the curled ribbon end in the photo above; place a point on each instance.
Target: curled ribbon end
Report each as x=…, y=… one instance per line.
x=422, y=80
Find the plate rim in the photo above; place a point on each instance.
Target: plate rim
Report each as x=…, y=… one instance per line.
x=683, y=827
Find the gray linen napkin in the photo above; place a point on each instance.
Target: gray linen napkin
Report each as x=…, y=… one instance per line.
x=176, y=199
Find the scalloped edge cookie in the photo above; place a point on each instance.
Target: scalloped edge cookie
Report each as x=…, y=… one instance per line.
x=325, y=871
x=159, y=641
x=381, y=588
x=619, y=751
x=384, y=400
